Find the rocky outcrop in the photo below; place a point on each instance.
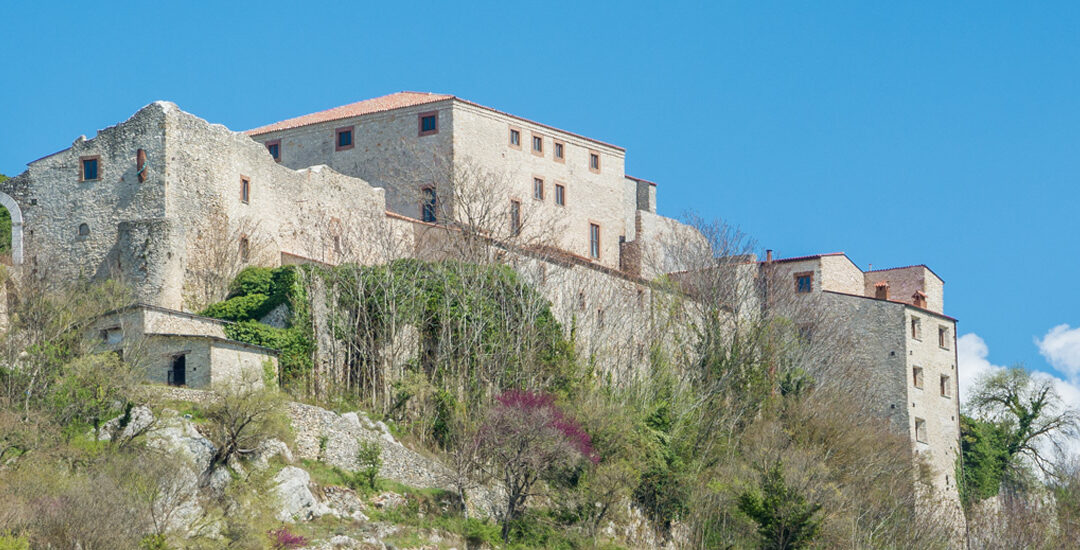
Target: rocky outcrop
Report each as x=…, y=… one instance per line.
x=293, y=490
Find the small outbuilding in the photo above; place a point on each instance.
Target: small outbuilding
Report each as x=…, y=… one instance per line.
x=182, y=349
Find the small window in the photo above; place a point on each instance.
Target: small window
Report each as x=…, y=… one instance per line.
x=594, y=162
x=917, y=377
x=945, y=386
x=560, y=195
x=428, y=123
x=538, y=145
x=89, y=168
x=112, y=336
x=515, y=218
x=920, y=430
x=594, y=240
x=804, y=282
x=515, y=138
x=560, y=152
x=245, y=249
x=84, y=230
x=344, y=139
x=538, y=188
x=274, y=147
x=943, y=337
x=430, y=203
x=916, y=328
x=245, y=190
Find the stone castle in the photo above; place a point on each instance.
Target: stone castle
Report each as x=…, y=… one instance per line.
x=166, y=202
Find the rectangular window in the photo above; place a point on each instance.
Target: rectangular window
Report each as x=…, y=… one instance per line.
x=917, y=377
x=560, y=151
x=920, y=430
x=275, y=149
x=88, y=168
x=538, y=188
x=245, y=190
x=594, y=162
x=943, y=337
x=538, y=145
x=515, y=138
x=804, y=282
x=515, y=218
x=560, y=195
x=916, y=328
x=430, y=203
x=945, y=386
x=344, y=139
x=245, y=249
x=594, y=240
x=428, y=123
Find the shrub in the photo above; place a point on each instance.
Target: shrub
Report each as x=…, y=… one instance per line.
x=11, y=542
x=370, y=460
x=282, y=539
x=785, y=520
x=239, y=308
x=252, y=280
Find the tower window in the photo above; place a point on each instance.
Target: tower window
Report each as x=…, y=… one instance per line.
x=515, y=218
x=88, y=168
x=344, y=139
x=538, y=188
x=84, y=230
x=274, y=147
x=515, y=138
x=594, y=162
x=538, y=145
x=594, y=240
x=560, y=152
x=428, y=123
x=916, y=328
x=560, y=195
x=245, y=249
x=920, y=430
x=429, y=204
x=945, y=386
x=804, y=282
x=245, y=190
x=917, y=377
x=943, y=337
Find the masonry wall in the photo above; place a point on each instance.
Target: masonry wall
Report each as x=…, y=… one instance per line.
x=481, y=136
x=234, y=363
x=904, y=281
x=666, y=245
x=387, y=152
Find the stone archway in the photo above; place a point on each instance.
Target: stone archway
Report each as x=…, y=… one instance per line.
x=16, y=227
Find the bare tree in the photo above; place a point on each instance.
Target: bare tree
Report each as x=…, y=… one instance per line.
x=220, y=249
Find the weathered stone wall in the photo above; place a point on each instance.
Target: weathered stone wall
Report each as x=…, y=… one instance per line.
x=840, y=275
x=387, y=151
x=172, y=322
x=667, y=245
x=234, y=363
x=905, y=281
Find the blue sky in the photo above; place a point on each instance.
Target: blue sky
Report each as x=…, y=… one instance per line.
x=900, y=133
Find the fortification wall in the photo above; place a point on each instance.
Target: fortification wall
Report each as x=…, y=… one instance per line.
x=904, y=281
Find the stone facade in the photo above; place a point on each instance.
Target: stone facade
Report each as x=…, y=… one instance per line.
x=156, y=339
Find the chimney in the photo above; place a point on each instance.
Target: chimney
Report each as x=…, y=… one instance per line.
x=768, y=255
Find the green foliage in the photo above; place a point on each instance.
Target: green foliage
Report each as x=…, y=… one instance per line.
x=92, y=389
x=369, y=457
x=154, y=542
x=786, y=521
x=238, y=308
x=984, y=450
x=295, y=347
x=12, y=542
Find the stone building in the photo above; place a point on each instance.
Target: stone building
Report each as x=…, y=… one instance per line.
x=181, y=349
x=175, y=206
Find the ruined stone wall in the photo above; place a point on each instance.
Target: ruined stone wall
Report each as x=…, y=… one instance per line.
x=387, y=151
x=235, y=363
x=667, y=245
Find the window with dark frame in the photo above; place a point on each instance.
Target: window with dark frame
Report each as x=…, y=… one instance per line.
x=88, y=168
x=274, y=147
x=804, y=282
x=515, y=138
x=538, y=188
x=538, y=145
x=943, y=337
x=916, y=328
x=559, y=151
x=560, y=195
x=594, y=162
x=344, y=138
x=515, y=218
x=944, y=385
x=245, y=190
x=917, y=377
x=428, y=123
x=245, y=249
x=430, y=203
x=84, y=230
x=920, y=430
x=594, y=240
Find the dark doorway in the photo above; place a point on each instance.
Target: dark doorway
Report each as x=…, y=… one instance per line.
x=178, y=371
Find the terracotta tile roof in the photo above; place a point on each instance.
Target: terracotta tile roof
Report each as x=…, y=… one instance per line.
x=882, y=284
x=366, y=107
x=800, y=258
x=390, y=102
x=629, y=177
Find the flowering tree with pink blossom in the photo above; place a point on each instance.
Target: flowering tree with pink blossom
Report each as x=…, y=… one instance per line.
x=525, y=438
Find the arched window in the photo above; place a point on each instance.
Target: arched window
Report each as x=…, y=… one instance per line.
x=84, y=230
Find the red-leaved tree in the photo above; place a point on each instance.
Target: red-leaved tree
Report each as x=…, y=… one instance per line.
x=526, y=438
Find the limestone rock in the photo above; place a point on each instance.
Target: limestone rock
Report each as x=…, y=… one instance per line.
x=295, y=498
x=269, y=449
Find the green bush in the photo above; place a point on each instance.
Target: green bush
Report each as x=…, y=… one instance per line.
x=11, y=542
x=239, y=308
x=369, y=456
x=252, y=280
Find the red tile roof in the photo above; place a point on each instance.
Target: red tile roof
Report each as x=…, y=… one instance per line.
x=366, y=107
x=390, y=102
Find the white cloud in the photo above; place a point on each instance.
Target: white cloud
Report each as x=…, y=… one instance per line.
x=972, y=362
x=972, y=356
x=1061, y=347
